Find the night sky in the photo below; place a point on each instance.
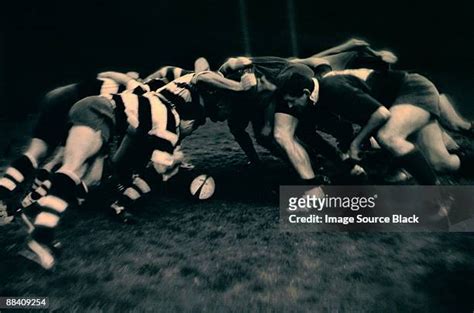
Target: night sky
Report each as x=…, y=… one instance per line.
x=46, y=44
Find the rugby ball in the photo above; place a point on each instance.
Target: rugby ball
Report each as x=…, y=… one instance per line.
x=202, y=187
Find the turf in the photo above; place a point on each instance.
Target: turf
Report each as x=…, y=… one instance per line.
x=229, y=255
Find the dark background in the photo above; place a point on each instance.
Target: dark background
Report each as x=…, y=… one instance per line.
x=46, y=44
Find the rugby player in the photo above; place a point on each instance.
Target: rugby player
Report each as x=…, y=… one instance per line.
x=49, y=134
x=257, y=106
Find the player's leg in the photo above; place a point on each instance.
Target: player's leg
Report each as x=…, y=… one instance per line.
x=22, y=167
x=131, y=175
x=161, y=149
x=92, y=119
x=449, y=141
x=238, y=123
x=82, y=144
x=376, y=120
x=430, y=142
x=49, y=130
x=164, y=166
x=41, y=184
x=451, y=119
x=406, y=119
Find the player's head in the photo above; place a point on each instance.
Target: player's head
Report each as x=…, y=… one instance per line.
x=201, y=65
x=296, y=90
x=134, y=75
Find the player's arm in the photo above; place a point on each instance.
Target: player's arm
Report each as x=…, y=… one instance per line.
x=167, y=72
x=237, y=125
x=215, y=80
x=121, y=78
x=376, y=120
x=284, y=132
x=235, y=64
x=268, y=117
x=312, y=62
x=372, y=113
x=346, y=46
x=159, y=74
x=385, y=55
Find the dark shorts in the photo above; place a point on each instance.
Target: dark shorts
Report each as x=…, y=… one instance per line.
x=52, y=125
x=95, y=112
x=419, y=91
x=347, y=97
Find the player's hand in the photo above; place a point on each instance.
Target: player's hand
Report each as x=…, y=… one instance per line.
x=248, y=80
x=265, y=85
x=354, y=152
x=134, y=75
x=388, y=56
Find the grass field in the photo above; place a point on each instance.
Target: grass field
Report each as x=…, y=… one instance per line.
x=228, y=254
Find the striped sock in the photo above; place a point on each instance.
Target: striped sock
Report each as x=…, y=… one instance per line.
x=42, y=175
x=53, y=206
x=135, y=191
x=15, y=175
x=40, y=188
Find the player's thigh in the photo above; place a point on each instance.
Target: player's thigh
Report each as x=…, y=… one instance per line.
x=449, y=142
x=430, y=141
x=404, y=120
x=94, y=171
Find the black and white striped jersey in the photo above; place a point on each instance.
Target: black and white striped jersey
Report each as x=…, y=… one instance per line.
x=182, y=94
x=160, y=78
x=144, y=110
x=147, y=114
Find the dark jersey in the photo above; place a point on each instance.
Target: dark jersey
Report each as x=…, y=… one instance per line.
x=356, y=94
